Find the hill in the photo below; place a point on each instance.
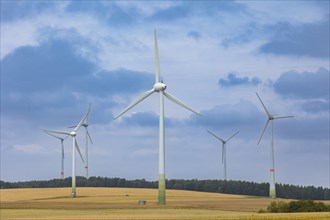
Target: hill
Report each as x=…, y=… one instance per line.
x=220, y=186
x=122, y=203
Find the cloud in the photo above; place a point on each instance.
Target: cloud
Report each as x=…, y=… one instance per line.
x=315, y=106
x=195, y=35
x=243, y=116
x=111, y=12
x=13, y=10
x=146, y=119
x=40, y=81
x=30, y=149
x=233, y=80
x=311, y=39
x=304, y=85
x=171, y=13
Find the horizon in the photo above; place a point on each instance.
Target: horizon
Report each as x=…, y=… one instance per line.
x=156, y=180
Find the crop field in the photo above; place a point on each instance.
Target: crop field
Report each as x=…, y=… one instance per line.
x=122, y=203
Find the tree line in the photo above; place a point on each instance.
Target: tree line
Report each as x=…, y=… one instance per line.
x=219, y=186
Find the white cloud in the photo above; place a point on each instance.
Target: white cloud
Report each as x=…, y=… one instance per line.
x=35, y=149
x=289, y=11
x=17, y=34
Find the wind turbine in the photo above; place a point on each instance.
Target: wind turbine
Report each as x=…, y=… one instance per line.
x=159, y=87
x=272, y=190
x=62, y=162
x=73, y=134
x=88, y=137
x=224, y=161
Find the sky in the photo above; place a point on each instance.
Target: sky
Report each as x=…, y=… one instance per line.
x=57, y=57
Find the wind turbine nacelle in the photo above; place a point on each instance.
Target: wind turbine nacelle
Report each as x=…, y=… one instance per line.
x=73, y=133
x=159, y=87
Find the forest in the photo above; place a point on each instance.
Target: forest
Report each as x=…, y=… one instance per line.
x=218, y=186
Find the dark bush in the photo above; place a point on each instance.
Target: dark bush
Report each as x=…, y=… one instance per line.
x=298, y=206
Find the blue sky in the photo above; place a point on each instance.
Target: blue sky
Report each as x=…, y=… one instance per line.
x=57, y=57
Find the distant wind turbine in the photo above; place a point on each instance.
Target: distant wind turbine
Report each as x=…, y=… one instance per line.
x=272, y=190
x=224, y=160
x=88, y=137
x=159, y=87
x=73, y=134
x=62, y=157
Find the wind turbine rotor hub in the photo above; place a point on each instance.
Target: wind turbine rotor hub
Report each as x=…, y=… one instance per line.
x=159, y=87
x=73, y=133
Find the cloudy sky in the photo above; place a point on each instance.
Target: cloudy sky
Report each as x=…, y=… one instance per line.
x=57, y=57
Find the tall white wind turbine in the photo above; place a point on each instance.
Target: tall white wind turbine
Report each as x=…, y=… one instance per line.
x=272, y=190
x=224, y=159
x=85, y=124
x=73, y=134
x=62, y=156
x=159, y=87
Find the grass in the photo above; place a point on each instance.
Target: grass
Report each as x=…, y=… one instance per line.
x=122, y=203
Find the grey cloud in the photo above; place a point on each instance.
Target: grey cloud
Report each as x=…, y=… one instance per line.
x=194, y=34
x=52, y=79
x=304, y=40
x=303, y=85
x=315, y=106
x=233, y=80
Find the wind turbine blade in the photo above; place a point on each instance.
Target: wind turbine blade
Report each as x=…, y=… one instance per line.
x=263, y=131
x=157, y=60
x=57, y=132
x=280, y=117
x=89, y=135
x=175, y=100
x=232, y=136
x=220, y=139
x=267, y=112
x=137, y=101
x=77, y=147
x=54, y=136
x=89, y=110
x=80, y=123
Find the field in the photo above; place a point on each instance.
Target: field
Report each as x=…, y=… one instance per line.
x=122, y=203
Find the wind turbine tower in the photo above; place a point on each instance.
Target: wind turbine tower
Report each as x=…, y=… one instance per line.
x=224, y=160
x=271, y=118
x=160, y=88
x=75, y=147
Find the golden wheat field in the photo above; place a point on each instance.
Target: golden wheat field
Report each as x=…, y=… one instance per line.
x=122, y=203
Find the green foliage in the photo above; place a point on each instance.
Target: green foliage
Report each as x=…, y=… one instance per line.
x=276, y=207
x=220, y=186
x=298, y=206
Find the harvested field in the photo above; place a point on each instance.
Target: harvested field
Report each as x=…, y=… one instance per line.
x=122, y=203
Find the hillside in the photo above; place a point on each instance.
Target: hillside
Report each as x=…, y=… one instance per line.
x=237, y=187
x=122, y=203
x=59, y=198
